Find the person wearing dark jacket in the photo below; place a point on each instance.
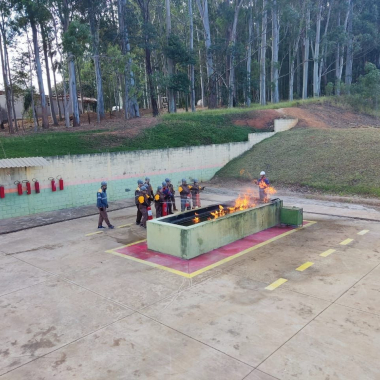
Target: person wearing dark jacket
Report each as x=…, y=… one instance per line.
x=167, y=196
x=149, y=188
x=137, y=194
x=102, y=204
x=159, y=199
x=143, y=200
x=195, y=194
x=184, y=191
x=170, y=186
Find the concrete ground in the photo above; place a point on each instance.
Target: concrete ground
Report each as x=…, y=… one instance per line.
x=70, y=310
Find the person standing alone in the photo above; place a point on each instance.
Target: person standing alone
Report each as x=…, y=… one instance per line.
x=102, y=204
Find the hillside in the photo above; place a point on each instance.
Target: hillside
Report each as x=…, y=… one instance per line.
x=337, y=160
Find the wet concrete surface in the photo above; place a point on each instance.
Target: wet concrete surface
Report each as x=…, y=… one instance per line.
x=70, y=310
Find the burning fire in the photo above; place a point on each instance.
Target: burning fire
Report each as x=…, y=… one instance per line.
x=243, y=202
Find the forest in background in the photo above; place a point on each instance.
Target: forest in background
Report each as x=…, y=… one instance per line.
x=134, y=53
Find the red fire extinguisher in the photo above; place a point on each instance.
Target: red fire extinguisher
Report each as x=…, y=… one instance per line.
x=61, y=187
x=187, y=205
x=36, y=185
x=2, y=191
x=164, y=209
x=28, y=187
x=19, y=187
x=150, y=214
x=53, y=185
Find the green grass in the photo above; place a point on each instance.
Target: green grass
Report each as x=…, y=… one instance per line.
x=175, y=130
x=343, y=161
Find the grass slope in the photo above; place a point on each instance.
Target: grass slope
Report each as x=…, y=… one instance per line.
x=175, y=130
x=338, y=161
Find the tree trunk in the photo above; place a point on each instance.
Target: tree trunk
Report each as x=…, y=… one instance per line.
x=45, y=50
x=131, y=106
x=45, y=118
x=231, y=82
x=80, y=88
x=73, y=92
x=201, y=73
x=203, y=10
x=263, y=55
x=192, y=79
x=55, y=84
x=350, y=50
x=316, y=51
x=170, y=63
x=35, y=119
x=275, y=97
x=306, y=42
x=249, y=57
x=94, y=26
x=7, y=88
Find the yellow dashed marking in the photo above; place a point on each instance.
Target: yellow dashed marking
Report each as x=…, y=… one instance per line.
x=304, y=266
x=347, y=241
x=276, y=284
x=124, y=225
x=94, y=233
x=328, y=252
x=363, y=232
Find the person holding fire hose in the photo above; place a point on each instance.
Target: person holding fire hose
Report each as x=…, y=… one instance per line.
x=184, y=191
x=263, y=183
x=143, y=201
x=102, y=204
x=172, y=207
x=167, y=196
x=195, y=193
x=159, y=199
x=137, y=194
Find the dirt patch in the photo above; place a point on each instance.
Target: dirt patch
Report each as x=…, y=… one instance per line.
x=261, y=120
x=328, y=116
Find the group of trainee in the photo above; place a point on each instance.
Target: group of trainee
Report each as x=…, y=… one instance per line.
x=164, y=194
x=144, y=196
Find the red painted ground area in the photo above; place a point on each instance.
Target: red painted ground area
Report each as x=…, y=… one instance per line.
x=140, y=251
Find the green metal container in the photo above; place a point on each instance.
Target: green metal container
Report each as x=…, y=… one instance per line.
x=291, y=216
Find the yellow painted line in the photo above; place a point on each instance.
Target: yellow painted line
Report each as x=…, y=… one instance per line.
x=302, y=267
x=227, y=259
x=347, y=241
x=94, y=233
x=149, y=263
x=196, y=273
x=276, y=284
x=363, y=232
x=124, y=225
x=328, y=252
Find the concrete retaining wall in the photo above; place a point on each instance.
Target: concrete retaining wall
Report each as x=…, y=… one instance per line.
x=82, y=174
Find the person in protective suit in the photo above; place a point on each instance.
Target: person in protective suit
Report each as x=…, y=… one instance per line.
x=167, y=196
x=143, y=200
x=171, y=189
x=150, y=190
x=195, y=190
x=102, y=204
x=184, y=191
x=159, y=199
x=137, y=194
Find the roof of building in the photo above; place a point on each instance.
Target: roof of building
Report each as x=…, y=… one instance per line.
x=23, y=162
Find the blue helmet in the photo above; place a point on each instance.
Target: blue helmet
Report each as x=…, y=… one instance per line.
x=167, y=179
x=104, y=183
x=159, y=188
x=195, y=180
x=140, y=182
x=164, y=184
x=147, y=179
x=143, y=188
x=183, y=180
